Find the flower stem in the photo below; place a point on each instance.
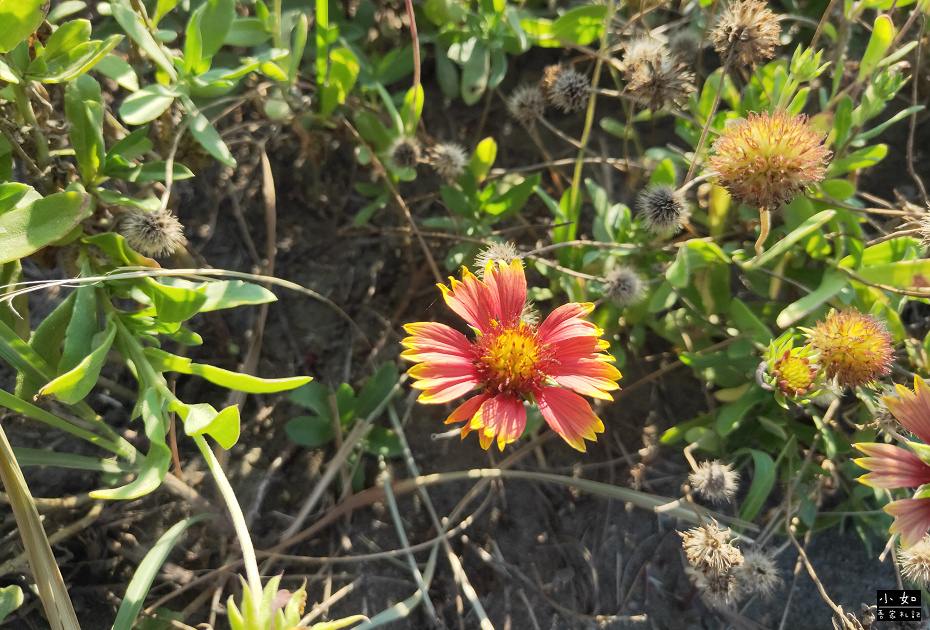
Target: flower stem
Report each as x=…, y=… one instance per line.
x=238, y=519
x=766, y=218
x=25, y=108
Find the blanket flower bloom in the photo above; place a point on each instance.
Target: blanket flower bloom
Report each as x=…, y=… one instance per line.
x=511, y=360
x=895, y=467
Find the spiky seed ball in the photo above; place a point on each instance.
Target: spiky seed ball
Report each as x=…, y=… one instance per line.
x=152, y=233
x=449, y=160
x=639, y=50
x=852, y=347
x=719, y=589
x=653, y=77
x=566, y=88
x=527, y=104
x=663, y=209
x=685, y=45
x=709, y=550
x=502, y=253
x=624, y=287
x=915, y=562
x=746, y=34
x=794, y=374
x=759, y=574
x=767, y=159
x=714, y=481
x=405, y=152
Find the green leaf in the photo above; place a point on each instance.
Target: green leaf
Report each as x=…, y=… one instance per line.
x=863, y=158
x=483, y=158
x=581, y=25
x=74, y=385
x=214, y=24
x=310, y=431
x=203, y=419
x=147, y=104
x=781, y=247
x=247, y=32
x=20, y=19
x=842, y=121
x=314, y=395
x=730, y=415
x=447, y=74
x=132, y=146
x=66, y=37
x=692, y=256
x=26, y=229
x=376, y=390
x=408, y=108
x=119, y=70
x=224, y=293
x=74, y=62
x=11, y=598
x=832, y=283
x=81, y=329
x=206, y=134
x=134, y=27
x=165, y=362
x=44, y=457
x=118, y=251
x=475, y=73
x=84, y=109
x=906, y=274
x=381, y=442
x=343, y=73
x=763, y=479
x=747, y=322
x=883, y=33
x=142, y=579
x=172, y=304
x=513, y=200
x=150, y=172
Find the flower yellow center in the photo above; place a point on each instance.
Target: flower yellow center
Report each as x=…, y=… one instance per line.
x=794, y=374
x=511, y=360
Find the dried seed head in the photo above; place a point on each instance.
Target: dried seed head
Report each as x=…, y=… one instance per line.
x=685, y=45
x=566, y=88
x=152, y=233
x=708, y=549
x=663, y=209
x=915, y=562
x=758, y=573
x=449, y=160
x=925, y=230
x=746, y=33
x=852, y=347
x=405, y=152
x=499, y=253
x=714, y=481
x=882, y=416
x=654, y=78
x=624, y=287
x=527, y=104
x=767, y=159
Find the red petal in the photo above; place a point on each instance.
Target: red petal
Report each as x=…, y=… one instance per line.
x=565, y=323
x=911, y=519
x=892, y=467
x=508, y=290
x=913, y=408
x=503, y=416
x=431, y=341
x=569, y=415
x=471, y=300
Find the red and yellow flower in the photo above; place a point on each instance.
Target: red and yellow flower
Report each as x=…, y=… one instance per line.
x=892, y=466
x=511, y=360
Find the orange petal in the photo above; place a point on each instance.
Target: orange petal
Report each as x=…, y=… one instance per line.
x=565, y=323
x=892, y=467
x=911, y=519
x=431, y=341
x=913, y=408
x=470, y=299
x=569, y=415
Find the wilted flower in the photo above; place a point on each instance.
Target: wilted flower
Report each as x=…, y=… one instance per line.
x=746, y=34
x=714, y=481
x=915, y=562
x=852, y=347
x=892, y=466
x=566, y=88
x=758, y=573
x=405, y=152
x=709, y=550
x=624, y=287
x=767, y=159
x=527, y=104
x=511, y=361
x=719, y=589
x=449, y=160
x=152, y=233
x=663, y=208
x=654, y=77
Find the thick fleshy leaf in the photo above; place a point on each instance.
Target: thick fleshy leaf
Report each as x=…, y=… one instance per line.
x=74, y=385
x=165, y=362
x=28, y=228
